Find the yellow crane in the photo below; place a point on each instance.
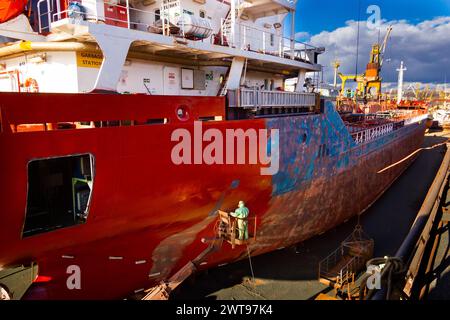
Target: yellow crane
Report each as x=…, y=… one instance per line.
x=369, y=83
x=336, y=64
x=417, y=91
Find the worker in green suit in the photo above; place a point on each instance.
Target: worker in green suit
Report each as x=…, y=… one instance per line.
x=241, y=214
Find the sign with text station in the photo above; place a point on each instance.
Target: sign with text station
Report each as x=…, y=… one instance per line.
x=89, y=59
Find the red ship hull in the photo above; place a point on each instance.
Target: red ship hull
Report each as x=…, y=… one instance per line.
x=148, y=215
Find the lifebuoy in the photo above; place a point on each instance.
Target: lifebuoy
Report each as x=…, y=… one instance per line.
x=31, y=85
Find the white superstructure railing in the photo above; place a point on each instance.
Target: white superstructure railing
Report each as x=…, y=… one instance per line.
x=169, y=22
x=264, y=41
x=252, y=98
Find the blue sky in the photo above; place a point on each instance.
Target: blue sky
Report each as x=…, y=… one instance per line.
x=314, y=16
x=420, y=36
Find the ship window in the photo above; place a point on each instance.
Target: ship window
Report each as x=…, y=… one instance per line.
x=272, y=39
x=157, y=14
x=59, y=193
x=202, y=13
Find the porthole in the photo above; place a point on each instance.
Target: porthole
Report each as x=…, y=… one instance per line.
x=182, y=113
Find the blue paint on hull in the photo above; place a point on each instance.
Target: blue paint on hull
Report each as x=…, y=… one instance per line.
x=319, y=146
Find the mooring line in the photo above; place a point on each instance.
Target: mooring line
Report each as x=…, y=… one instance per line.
x=251, y=266
x=412, y=154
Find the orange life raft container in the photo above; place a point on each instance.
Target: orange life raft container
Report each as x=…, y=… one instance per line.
x=11, y=8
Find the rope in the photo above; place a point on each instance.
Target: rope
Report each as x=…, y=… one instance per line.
x=250, y=262
x=253, y=291
x=412, y=154
x=357, y=38
x=394, y=268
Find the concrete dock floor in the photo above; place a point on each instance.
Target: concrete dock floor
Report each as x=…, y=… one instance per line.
x=291, y=273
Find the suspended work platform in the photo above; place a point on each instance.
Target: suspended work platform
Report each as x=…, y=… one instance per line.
x=226, y=229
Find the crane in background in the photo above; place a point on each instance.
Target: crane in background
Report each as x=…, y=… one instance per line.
x=336, y=64
x=369, y=83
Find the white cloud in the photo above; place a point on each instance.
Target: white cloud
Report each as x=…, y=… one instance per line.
x=300, y=36
x=424, y=48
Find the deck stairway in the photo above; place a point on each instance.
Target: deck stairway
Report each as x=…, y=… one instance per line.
x=340, y=269
x=227, y=27
x=251, y=9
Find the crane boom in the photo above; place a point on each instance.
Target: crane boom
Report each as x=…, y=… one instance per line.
x=384, y=45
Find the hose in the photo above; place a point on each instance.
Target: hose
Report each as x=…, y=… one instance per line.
x=393, y=268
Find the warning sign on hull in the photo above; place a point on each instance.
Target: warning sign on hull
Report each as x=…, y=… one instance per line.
x=89, y=59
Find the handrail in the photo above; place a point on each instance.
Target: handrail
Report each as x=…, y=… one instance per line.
x=351, y=267
x=370, y=134
x=244, y=40
x=48, y=14
x=245, y=37
x=253, y=98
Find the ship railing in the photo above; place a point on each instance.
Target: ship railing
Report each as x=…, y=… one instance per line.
x=372, y=133
x=267, y=40
x=121, y=15
x=44, y=14
x=256, y=99
x=113, y=13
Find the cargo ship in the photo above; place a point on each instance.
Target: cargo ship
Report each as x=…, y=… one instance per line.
x=100, y=196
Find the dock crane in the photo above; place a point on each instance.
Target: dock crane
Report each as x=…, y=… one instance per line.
x=414, y=89
x=371, y=79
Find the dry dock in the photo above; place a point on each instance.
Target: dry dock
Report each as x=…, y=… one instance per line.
x=440, y=277
x=291, y=273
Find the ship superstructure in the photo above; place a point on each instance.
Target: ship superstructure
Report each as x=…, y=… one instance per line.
x=195, y=48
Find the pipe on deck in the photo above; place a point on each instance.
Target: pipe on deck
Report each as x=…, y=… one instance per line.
x=28, y=46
